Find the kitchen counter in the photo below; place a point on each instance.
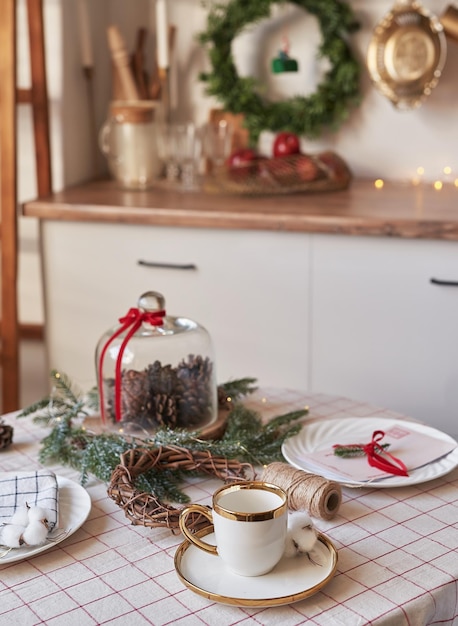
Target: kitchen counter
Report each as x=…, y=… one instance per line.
x=397, y=210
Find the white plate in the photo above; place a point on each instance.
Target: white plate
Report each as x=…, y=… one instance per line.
x=74, y=508
x=324, y=433
x=291, y=580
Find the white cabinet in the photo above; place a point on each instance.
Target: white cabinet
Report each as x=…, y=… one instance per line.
x=248, y=288
x=380, y=330
x=343, y=315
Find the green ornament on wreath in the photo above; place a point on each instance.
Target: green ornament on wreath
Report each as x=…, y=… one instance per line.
x=325, y=109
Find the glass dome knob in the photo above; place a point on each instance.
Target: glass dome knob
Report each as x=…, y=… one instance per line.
x=151, y=301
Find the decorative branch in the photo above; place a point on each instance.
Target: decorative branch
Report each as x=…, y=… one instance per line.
x=246, y=439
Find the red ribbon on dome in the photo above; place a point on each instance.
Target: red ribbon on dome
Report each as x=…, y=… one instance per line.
x=132, y=321
x=376, y=455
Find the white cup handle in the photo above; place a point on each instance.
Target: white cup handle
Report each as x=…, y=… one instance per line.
x=206, y=512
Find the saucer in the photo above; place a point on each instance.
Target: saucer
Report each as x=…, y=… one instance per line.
x=291, y=580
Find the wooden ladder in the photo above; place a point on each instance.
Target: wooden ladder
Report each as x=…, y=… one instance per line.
x=10, y=97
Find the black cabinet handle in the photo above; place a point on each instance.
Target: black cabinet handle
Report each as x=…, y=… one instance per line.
x=168, y=266
x=444, y=283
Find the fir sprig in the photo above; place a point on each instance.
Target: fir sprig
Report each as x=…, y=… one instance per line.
x=354, y=450
x=235, y=389
x=65, y=400
x=246, y=437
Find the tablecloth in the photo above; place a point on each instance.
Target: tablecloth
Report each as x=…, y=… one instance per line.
x=397, y=553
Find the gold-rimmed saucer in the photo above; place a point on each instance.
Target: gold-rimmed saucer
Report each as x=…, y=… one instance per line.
x=291, y=580
x=406, y=54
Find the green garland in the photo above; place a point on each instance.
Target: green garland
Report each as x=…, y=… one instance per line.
x=327, y=107
x=246, y=438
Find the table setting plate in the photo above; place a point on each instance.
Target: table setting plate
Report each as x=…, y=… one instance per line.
x=291, y=580
x=323, y=434
x=74, y=508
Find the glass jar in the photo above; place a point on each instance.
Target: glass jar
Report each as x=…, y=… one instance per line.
x=128, y=140
x=155, y=370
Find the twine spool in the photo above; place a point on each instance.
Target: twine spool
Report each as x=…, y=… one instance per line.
x=316, y=495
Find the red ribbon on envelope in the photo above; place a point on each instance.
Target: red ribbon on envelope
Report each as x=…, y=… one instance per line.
x=376, y=455
x=133, y=319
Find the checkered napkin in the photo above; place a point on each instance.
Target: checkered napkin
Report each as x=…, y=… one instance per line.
x=38, y=488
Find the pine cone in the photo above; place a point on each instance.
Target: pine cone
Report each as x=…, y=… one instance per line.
x=165, y=396
x=195, y=401
x=135, y=398
x=161, y=378
x=6, y=435
x=164, y=410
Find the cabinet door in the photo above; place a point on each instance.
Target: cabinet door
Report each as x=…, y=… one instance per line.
x=248, y=288
x=380, y=330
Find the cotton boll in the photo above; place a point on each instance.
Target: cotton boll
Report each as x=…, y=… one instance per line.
x=35, y=534
x=21, y=516
x=12, y=535
x=301, y=536
x=38, y=514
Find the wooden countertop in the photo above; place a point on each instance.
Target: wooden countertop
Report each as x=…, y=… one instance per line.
x=398, y=210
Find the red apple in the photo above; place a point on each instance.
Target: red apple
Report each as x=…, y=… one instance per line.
x=286, y=144
x=242, y=163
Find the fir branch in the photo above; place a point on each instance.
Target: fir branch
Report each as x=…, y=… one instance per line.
x=64, y=401
x=354, y=450
x=100, y=455
x=65, y=388
x=246, y=438
x=235, y=389
x=35, y=407
x=59, y=444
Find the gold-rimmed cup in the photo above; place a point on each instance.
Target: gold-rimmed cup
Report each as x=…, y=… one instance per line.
x=250, y=522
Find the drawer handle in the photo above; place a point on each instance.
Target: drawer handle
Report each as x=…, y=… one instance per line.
x=168, y=266
x=444, y=283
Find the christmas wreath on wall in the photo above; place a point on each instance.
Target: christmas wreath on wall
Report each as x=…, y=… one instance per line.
x=326, y=108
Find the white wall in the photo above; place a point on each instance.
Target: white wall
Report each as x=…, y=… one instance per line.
x=377, y=141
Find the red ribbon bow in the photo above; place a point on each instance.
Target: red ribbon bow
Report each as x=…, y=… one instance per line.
x=134, y=318
x=374, y=452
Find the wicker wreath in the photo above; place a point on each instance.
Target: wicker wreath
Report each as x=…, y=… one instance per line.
x=146, y=509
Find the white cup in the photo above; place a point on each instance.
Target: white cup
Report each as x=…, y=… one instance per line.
x=250, y=523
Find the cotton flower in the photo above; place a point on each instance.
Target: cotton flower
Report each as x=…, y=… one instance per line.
x=35, y=533
x=38, y=514
x=28, y=526
x=21, y=516
x=11, y=535
x=301, y=536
